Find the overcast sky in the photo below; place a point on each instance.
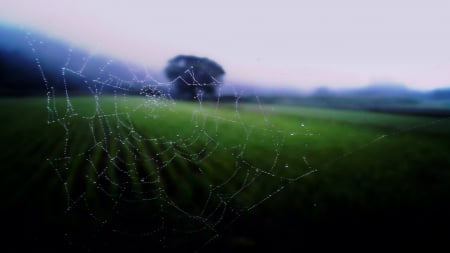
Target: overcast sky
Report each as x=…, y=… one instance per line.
x=343, y=43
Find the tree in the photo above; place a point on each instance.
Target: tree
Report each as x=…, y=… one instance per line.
x=194, y=76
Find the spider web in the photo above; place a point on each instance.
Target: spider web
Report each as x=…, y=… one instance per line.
x=143, y=165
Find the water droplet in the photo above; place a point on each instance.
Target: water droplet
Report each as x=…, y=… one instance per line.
x=292, y=134
x=302, y=124
x=286, y=165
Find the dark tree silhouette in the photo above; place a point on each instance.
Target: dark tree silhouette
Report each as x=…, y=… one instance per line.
x=194, y=76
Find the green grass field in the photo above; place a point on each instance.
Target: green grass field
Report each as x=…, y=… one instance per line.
x=284, y=177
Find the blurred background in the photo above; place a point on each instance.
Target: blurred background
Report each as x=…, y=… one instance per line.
x=199, y=126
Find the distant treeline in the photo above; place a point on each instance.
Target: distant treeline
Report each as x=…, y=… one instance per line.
x=19, y=75
x=22, y=74
x=425, y=106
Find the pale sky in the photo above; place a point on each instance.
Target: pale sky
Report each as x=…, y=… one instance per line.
x=345, y=43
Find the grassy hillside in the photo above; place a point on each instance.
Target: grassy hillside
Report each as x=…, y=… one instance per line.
x=131, y=172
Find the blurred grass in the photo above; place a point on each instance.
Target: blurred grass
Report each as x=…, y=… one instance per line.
x=380, y=178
